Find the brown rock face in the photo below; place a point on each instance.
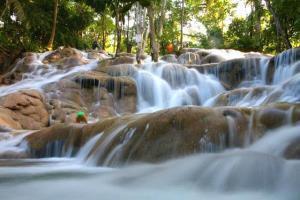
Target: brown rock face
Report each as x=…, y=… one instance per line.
x=123, y=89
x=65, y=58
x=166, y=134
x=212, y=58
x=27, y=108
x=189, y=58
x=117, y=61
x=6, y=120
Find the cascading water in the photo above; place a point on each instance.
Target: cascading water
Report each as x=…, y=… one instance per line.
x=169, y=85
x=257, y=172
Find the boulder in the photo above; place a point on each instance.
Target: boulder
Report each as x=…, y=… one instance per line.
x=233, y=72
x=170, y=58
x=122, y=88
x=6, y=120
x=27, y=108
x=189, y=58
x=65, y=58
x=116, y=61
x=165, y=134
x=212, y=58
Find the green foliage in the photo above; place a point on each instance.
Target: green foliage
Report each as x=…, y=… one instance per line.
x=33, y=33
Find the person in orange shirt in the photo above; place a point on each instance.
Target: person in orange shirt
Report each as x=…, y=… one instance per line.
x=170, y=48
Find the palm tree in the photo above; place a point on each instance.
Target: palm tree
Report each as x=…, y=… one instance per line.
x=52, y=36
x=17, y=8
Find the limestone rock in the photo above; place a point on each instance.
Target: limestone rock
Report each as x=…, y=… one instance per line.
x=27, y=108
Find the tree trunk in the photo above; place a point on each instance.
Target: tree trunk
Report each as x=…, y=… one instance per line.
x=119, y=33
x=181, y=24
x=162, y=17
x=153, y=42
x=278, y=24
x=103, y=32
x=140, y=29
x=51, y=40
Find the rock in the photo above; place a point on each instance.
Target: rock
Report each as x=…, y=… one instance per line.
x=287, y=58
x=118, y=70
x=97, y=55
x=189, y=58
x=117, y=61
x=65, y=58
x=6, y=120
x=27, y=108
x=189, y=50
x=204, y=68
x=212, y=58
x=122, y=88
x=166, y=134
x=244, y=97
x=75, y=135
x=170, y=58
x=233, y=72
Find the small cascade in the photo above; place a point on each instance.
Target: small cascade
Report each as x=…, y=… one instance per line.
x=276, y=143
x=12, y=144
x=232, y=126
x=85, y=151
x=37, y=80
x=169, y=85
x=99, y=150
x=250, y=138
x=284, y=65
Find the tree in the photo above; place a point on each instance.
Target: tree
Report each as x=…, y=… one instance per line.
x=279, y=27
x=55, y=10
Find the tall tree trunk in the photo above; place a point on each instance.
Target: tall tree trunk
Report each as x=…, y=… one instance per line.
x=119, y=32
x=103, y=32
x=162, y=17
x=181, y=24
x=153, y=42
x=278, y=24
x=51, y=40
x=140, y=29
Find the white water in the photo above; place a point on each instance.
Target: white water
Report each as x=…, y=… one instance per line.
x=12, y=144
x=42, y=74
x=167, y=85
x=253, y=173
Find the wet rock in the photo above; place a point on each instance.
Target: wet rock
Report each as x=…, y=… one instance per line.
x=6, y=120
x=170, y=58
x=166, y=134
x=189, y=58
x=119, y=70
x=287, y=58
x=189, y=50
x=65, y=58
x=292, y=152
x=122, y=88
x=245, y=97
x=233, y=72
x=212, y=58
x=27, y=108
x=117, y=61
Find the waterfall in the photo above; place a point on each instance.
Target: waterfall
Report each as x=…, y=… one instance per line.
x=167, y=85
